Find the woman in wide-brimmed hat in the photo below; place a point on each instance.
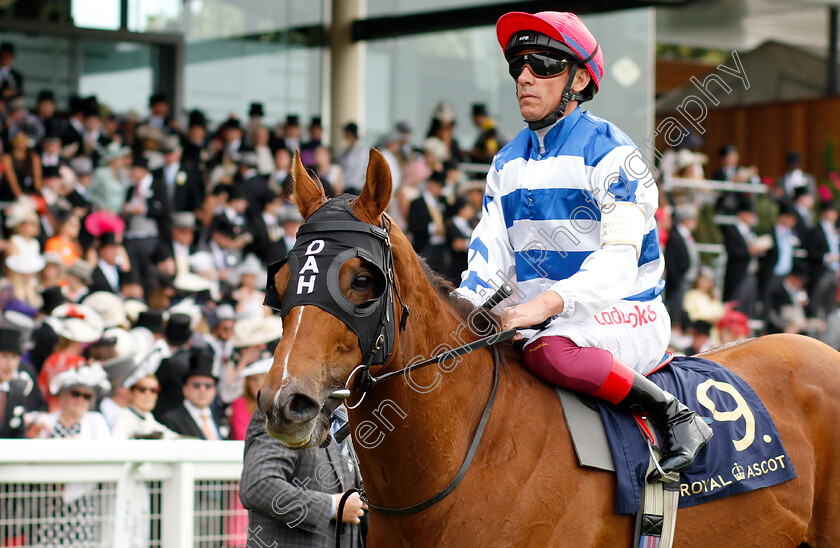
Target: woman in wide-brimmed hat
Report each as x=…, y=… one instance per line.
x=76, y=325
x=251, y=339
x=73, y=512
x=243, y=407
x=20, y=291
x=22, y=219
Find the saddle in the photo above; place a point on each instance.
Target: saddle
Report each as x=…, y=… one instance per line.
x=657, y=515
x=745, y=454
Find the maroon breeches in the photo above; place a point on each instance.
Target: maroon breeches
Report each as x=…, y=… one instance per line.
x=592, y=371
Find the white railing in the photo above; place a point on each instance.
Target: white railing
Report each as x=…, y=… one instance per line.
x=671, y=183
x=171, y=494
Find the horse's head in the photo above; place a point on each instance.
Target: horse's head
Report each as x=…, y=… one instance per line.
x=334, y=295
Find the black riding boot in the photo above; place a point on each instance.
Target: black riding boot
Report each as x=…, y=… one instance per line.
x=685, y=433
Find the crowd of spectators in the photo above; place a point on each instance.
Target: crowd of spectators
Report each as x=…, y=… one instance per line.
x=134, y=254
x=135, y=250
x=783, y=279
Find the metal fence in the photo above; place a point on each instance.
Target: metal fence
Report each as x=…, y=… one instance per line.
x=121, y=494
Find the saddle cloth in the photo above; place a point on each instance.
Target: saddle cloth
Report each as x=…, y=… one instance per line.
x=746, y=452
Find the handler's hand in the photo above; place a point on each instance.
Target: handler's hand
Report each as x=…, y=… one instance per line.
x=533, y=312
x=354, y=508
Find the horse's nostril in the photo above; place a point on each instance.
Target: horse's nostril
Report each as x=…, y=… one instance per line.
x=300, y=408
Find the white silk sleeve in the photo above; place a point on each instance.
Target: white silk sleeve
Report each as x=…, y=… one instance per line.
x=627, y=196
x=490, y=260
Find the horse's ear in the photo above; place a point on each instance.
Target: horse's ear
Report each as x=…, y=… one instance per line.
x=307, y=192
x=377, y=190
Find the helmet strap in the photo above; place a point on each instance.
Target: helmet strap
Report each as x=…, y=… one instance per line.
x=568, y=95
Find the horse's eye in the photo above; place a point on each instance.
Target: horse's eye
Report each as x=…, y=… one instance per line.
x=361, y=282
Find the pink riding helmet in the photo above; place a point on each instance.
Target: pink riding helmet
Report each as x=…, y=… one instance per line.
x=564, y=27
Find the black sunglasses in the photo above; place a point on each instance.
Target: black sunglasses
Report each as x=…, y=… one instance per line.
x=543, y=65
x=86, y=395
x=199, y=384
x=144, y=389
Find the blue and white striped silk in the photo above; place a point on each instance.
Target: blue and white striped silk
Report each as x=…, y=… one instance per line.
x=541, y=224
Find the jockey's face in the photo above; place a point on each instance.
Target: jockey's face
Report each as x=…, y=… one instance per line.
x=539, y=97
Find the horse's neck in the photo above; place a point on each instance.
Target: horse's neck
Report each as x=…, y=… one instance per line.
x=421, y=425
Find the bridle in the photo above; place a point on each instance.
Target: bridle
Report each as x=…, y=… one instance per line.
x=371, y=243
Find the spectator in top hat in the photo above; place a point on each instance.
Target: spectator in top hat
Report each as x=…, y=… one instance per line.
x=195, y=153
x=12, y=389
x=72, y=137
x=45, y=111
x=175, y=363
x=794, y=178
x=177, y=185
x=426, y=223
x=489, y=141
x=51, y=150
x=230, y=232
x=112, y=260
x=153, y=321
x=777, y=261
x=193, y=416
x=353, y=160
x=159, y=113
x=307, y=149
x=824, y=259
x=267, y=230
x=11, y=80
x=291, y=133
x=144, y=213
x=94, y=139
x=803, y=204
x=742, y=250
x=256, y=113
x=231, y=137
x=787, y=300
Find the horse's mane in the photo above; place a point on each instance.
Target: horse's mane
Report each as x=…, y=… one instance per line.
x=444, y=289
x=511, y=352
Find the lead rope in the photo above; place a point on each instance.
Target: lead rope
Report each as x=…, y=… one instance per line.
x=340, y=512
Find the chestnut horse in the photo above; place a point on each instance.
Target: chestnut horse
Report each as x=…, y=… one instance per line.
x=524, y=487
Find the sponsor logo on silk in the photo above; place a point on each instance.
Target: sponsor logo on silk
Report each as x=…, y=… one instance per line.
x=614, y=316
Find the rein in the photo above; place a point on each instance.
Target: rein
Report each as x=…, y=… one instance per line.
x=324, y=244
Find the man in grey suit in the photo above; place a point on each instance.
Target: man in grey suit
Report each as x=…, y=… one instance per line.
x=292, y=496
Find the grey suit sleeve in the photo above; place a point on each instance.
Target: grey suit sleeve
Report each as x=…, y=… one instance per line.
x=278, y=483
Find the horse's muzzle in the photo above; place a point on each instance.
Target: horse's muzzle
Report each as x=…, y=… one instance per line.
x=289, y=417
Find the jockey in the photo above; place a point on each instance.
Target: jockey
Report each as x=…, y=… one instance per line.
x=568, y=218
